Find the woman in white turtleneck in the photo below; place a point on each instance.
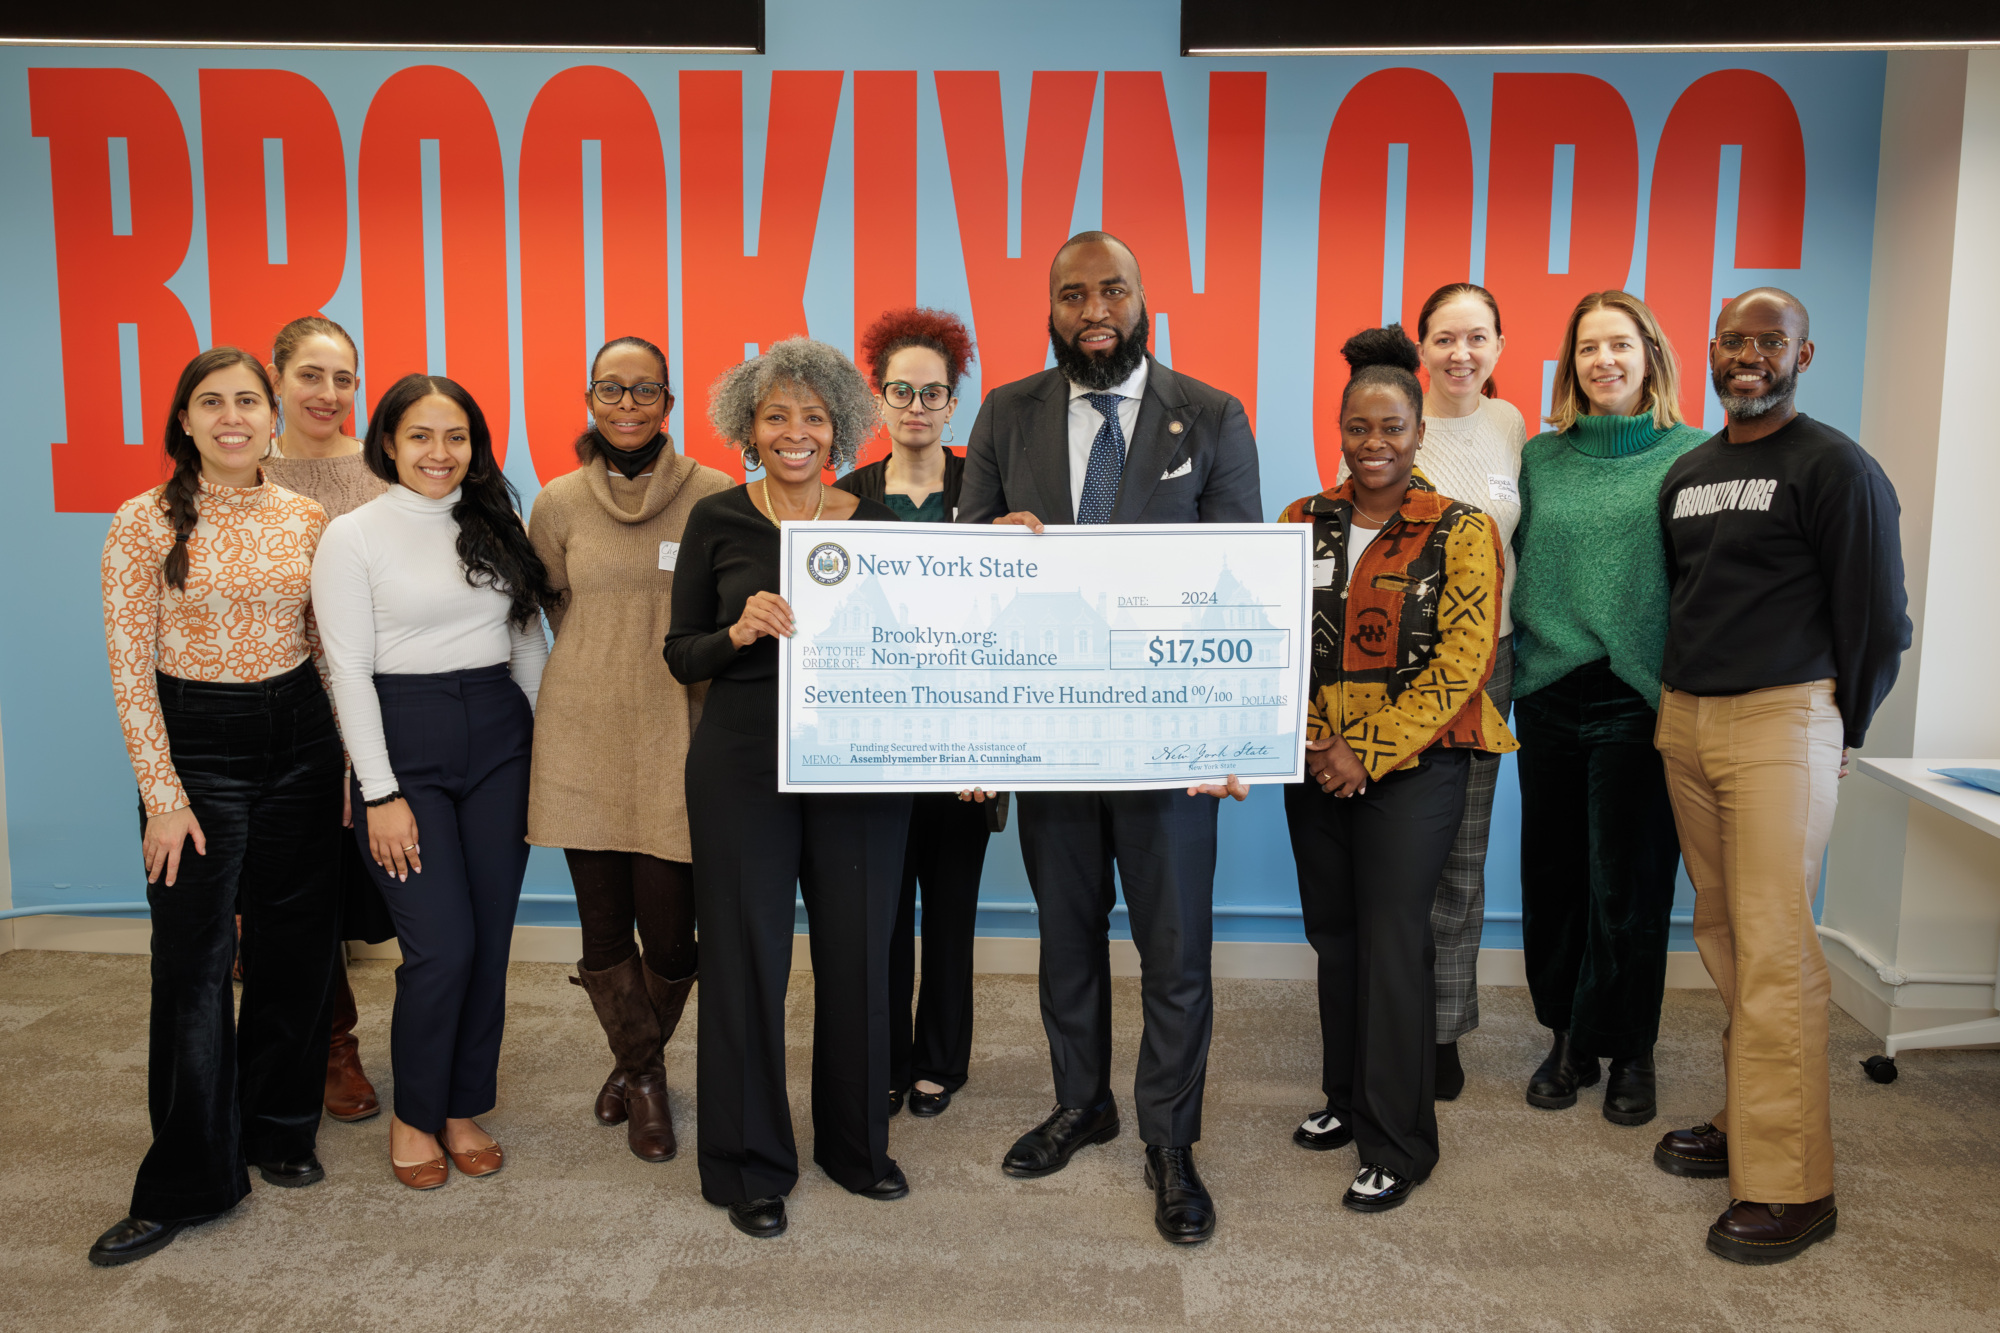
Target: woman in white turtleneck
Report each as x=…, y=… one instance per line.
x=429, y=603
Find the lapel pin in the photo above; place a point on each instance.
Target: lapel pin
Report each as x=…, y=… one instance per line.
x=1173, y=428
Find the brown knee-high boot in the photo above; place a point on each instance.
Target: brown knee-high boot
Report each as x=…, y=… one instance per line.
x=668, y=999
x=637, y=1088
x=349, y=1094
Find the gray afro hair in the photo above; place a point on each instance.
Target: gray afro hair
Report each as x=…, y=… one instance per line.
x=825, y=370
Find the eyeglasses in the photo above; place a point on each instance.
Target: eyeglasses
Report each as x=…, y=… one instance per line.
x=611, y=392
x=933, y=396
x=1770, y=344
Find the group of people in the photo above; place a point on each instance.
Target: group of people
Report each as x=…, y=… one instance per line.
x=329, y=661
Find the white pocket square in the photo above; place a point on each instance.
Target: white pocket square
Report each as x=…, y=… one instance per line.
x=1181, y=471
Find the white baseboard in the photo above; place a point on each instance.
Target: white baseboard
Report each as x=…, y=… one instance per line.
x=991, y=953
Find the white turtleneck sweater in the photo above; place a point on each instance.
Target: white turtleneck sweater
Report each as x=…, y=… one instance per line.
x=390, y=597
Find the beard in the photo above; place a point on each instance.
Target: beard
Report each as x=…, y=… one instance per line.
x=1783, y=389
x=1099, y=373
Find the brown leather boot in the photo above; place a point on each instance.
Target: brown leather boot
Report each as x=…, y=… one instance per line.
x=1770, y=1233
x=669, y=1000
x=638, y=1083
x=349, y=1094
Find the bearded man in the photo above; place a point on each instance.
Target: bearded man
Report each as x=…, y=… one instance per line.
x=1112, y=436
x=1786, y=625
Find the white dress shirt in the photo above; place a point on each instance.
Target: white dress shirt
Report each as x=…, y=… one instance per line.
x=1085, y=421
x=390, y=596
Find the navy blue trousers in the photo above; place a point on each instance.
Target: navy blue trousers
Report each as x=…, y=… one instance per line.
x=1163, y=846
x=261, y=764
x=459, y=743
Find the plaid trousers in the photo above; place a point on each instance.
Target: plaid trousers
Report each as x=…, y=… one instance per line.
x=1459, y=910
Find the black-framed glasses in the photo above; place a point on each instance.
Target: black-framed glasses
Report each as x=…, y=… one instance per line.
x=897, y=393
x=1770, y=344
x=611, y=392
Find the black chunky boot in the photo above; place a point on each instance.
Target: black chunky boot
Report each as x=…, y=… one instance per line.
x=1629, y=1091
x=1553, y=1088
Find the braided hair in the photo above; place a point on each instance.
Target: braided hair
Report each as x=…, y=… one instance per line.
x=179, y=497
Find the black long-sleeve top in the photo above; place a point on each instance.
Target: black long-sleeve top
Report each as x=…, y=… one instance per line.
x=729, y=552
x=1785, y=558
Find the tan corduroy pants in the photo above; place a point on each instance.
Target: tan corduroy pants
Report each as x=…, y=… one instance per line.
x=1752, y=780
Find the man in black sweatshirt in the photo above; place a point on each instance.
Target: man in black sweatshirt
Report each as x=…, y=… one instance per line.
x=1787, y=624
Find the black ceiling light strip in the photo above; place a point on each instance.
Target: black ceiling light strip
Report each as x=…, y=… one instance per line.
x=734, y=26
x=1304, y=27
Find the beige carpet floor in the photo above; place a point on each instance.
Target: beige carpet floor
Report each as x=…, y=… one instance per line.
x=1534, y=1220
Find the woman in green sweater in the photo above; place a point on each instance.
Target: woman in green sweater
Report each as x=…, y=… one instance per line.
x=1598, y=848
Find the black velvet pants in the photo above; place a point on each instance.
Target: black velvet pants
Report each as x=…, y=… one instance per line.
x=946, y=853
x=1368, y=873
x=754, y=847
x=261, y=763
x=459, y=742
x=1598, y=855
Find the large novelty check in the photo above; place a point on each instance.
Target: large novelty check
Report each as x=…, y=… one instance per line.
x=935, y=657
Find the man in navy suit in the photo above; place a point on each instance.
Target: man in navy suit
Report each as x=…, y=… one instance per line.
x=1112, y=436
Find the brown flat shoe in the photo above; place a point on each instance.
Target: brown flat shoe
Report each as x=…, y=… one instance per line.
x=422, y=1175
x=479, y=1162
x=1770, y=1233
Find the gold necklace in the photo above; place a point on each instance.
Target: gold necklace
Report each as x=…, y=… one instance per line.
x=771, y=512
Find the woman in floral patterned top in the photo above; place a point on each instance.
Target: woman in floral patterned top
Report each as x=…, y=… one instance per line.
x=208, y=620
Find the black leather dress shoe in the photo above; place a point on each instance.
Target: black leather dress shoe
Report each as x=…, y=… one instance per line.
x=1323, y=1131
x=890, y=1187
x=1047, y=1148
x=1629, y=1091
x=928, y=1104
x=1770, y=1233
x=895, y=1102
x=1450, y=1078
x=762, y=1218
x=292, y=1172
x=1182, y=1211
x=1701, y=1152
x=1377, y=1189
x=135, y=1238
x=1553, y=1088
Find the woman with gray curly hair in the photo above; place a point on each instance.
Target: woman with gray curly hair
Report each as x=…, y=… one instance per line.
x=796, y=411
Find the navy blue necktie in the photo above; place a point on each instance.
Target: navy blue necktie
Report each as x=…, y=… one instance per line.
x=1107, y=462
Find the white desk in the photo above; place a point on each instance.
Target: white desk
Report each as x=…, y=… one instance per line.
x=1970, y=805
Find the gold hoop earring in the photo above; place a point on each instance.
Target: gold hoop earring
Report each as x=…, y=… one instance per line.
x=949, y=435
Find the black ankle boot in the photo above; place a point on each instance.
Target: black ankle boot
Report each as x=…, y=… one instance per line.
x=1553, y=1088
x=1450, y=1073
x=1629, y=1092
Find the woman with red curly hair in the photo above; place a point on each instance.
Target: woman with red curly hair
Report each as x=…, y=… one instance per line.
x=915, y=358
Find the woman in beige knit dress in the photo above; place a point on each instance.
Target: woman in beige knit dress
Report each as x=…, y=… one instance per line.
x=313, y=368
x=612, y=726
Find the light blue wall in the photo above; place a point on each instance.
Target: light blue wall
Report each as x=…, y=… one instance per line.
x=70, y=799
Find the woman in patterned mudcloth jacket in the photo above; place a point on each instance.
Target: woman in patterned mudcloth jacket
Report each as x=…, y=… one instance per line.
x=1406, y=604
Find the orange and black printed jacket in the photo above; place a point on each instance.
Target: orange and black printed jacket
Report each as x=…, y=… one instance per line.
x=1401, y=653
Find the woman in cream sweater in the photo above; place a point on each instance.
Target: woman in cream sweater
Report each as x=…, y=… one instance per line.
x=612, y=729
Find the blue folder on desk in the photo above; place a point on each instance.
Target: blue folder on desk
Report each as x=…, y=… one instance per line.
x=1986, y=779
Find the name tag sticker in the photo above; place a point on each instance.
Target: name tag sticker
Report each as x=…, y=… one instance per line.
x=670, y=553
x=1502, y=489
x=1323, y=571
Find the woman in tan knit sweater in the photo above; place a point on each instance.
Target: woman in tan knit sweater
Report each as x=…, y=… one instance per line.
x=612, y=726
x=313, y=368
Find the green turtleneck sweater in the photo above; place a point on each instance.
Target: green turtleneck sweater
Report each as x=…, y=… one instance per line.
x=1593, y=573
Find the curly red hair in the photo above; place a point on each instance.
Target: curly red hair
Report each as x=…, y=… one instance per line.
x=917, y=326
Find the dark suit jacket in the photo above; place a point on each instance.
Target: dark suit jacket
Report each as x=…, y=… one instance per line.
x=1018, y=457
